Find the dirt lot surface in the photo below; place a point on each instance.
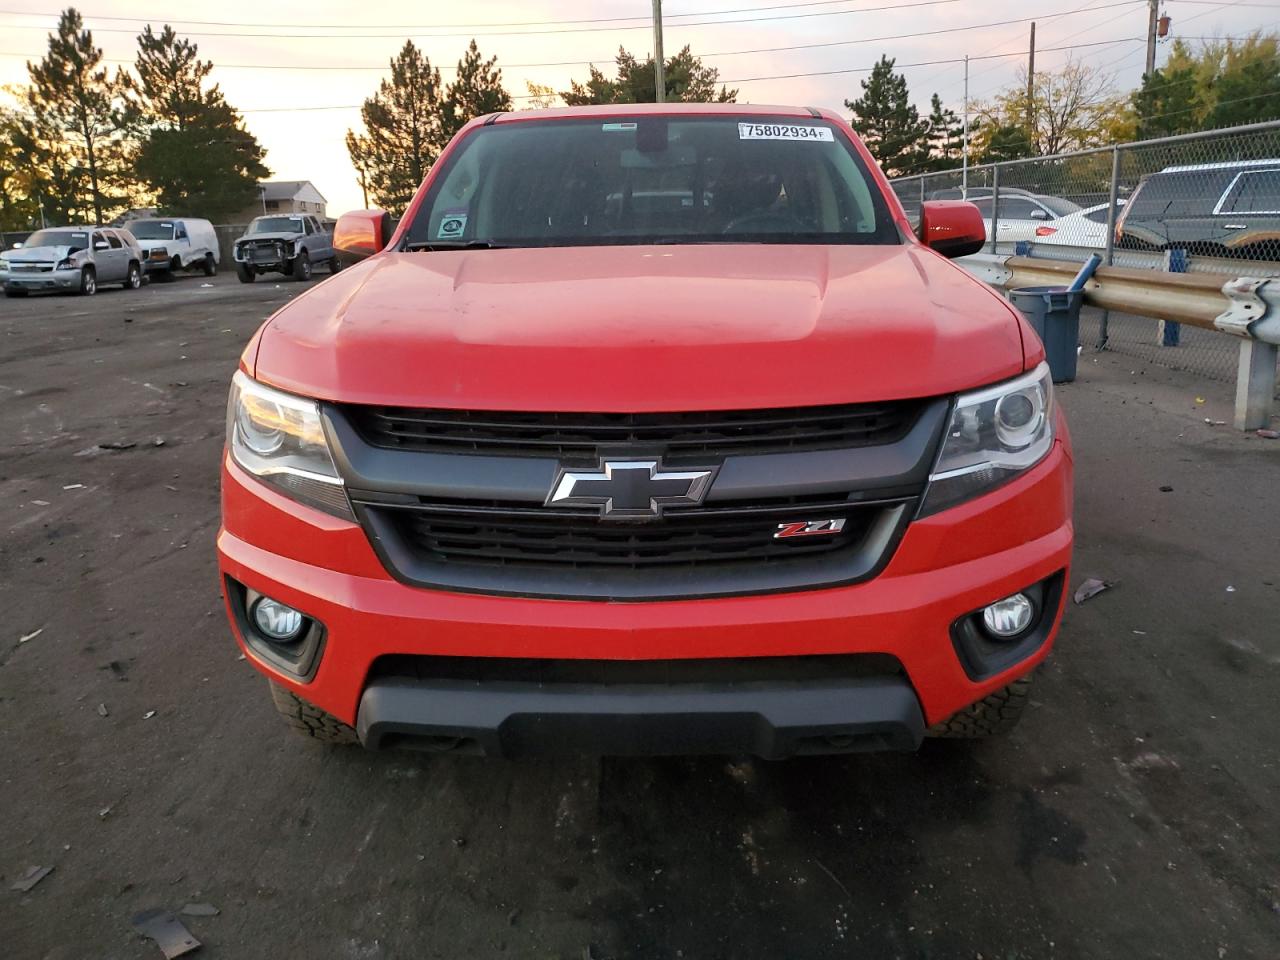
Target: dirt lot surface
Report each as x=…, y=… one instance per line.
x=1133, y=814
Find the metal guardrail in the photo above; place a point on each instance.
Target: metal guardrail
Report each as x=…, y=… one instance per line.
x=1243, y=306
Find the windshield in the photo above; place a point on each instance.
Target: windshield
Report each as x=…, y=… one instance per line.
x=653, y=180
x=151, y=229
x=1059, y=206
x=75, y=239
x=276, y=225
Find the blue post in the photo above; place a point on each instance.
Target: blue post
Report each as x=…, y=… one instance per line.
x=1175, y=262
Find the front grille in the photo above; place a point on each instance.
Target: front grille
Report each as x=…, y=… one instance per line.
x=586, y=436
x=542, y=537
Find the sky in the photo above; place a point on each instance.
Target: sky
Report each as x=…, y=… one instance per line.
x=299, y=71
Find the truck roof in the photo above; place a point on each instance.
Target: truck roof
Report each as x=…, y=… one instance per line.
x=658, y=109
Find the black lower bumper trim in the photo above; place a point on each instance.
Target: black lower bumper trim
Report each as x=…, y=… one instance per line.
x=522, y=719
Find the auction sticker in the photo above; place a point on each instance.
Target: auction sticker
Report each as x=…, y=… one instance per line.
x=452, y=224
x=782, y=131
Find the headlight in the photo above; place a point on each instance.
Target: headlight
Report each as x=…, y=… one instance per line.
x=64, y=264
x=994, y=435
x=279, y=439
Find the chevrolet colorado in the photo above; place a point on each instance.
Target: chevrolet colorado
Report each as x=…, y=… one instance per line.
x=649, y=429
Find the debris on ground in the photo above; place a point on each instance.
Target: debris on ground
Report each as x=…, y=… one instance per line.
x=1091, y=588
x=102, y=814
x=1266, y=434
x=31, y=636
x=118, y=445
x=30, y=878
x=148, y=715
x=1166, y=489
x=1215, y=423
x=40, y=503
x=158, y=442
x=102, y=710
x=205, y=285
x=167, y=931
x=1231, y=589
x=74, y=486
x=199, y=910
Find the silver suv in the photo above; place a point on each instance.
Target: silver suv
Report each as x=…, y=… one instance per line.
x=78, y=259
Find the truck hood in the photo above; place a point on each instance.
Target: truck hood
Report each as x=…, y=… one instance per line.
x=270, y=236
x=643, y=328
x=38, y=254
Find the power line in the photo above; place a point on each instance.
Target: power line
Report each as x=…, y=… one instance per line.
x=454, y=26
x=927, y=63
x=516, y=33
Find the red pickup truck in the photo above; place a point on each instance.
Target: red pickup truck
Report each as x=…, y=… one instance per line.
x=650, y=429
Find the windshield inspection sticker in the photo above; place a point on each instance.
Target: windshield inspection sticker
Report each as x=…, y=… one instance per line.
x=452, y=226
x=777, y=131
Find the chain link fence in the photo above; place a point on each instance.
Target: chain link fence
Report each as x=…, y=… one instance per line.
x=1199, y=202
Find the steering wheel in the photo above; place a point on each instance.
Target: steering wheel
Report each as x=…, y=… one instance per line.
x=765, y=221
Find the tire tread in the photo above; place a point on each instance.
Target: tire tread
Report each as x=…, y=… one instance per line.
x=995, y=714
x=309, y=720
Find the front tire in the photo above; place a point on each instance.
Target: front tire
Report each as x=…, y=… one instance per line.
x=308, y=720
x=993, y=715
x=245, y=273
x=302, y=267
x=134, y=280
x=335, y=265
x=210, y=266
x=88, y=282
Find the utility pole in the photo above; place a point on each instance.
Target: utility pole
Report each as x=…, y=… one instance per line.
x=1031, y=82
x=659, y=65
x=1153, y=17
x=964, y=163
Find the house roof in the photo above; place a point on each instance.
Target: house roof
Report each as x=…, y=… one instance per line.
x=286, y=189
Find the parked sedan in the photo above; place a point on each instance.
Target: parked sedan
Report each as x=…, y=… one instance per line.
x=1084, y=228
x=1019, y=216
x=77, y=259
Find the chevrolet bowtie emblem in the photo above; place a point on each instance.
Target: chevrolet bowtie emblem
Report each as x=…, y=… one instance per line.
x=630, y=489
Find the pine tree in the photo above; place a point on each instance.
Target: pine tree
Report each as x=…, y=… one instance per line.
x=404, y=130
x=685, y=79
x=476, y=90
x=1007, y=142
x=195, y=154
x=888, y=122
x=73, y=99
x=946, y=137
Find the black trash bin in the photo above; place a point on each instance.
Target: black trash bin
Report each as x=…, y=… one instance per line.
x=1054, y=313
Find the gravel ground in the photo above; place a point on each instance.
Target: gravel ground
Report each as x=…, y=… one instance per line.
x=1132, y=814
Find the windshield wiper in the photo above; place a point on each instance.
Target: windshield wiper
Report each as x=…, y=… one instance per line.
x=433, y=245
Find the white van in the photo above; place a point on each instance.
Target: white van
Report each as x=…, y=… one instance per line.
x=177, y=243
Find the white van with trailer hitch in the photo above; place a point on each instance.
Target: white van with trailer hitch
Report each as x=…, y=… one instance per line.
x=177, y=243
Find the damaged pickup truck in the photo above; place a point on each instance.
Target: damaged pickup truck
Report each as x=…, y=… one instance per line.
x=291, y=244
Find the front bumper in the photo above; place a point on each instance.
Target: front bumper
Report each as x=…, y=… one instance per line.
x=515, y=719
x=945, y=567
x=41, y=280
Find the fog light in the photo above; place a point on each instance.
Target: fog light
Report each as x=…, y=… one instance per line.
x=275, y=621
x=1008, y=617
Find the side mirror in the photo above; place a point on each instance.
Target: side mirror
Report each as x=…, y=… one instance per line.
x=101, y=245
x=18, y=245
x=1039, y=215
x=952, y=227
x=361, y=233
